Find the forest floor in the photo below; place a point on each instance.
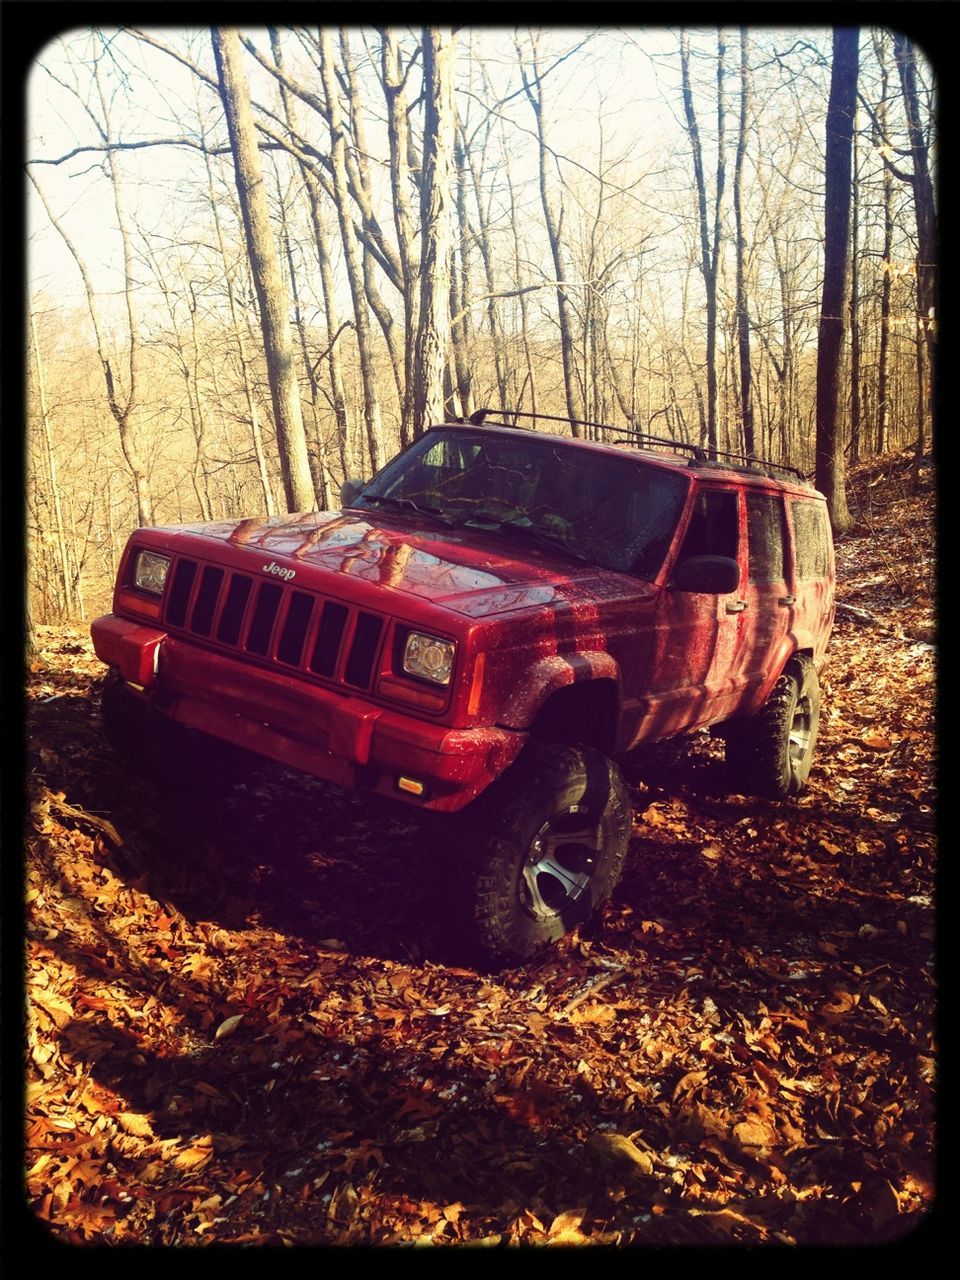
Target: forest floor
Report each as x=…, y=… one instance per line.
x=243, y=1029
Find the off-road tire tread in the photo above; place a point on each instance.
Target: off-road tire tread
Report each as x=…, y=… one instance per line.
x=491, y=826
x=756, y=754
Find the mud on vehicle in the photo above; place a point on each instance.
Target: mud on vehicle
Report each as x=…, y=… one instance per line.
x=482, y=630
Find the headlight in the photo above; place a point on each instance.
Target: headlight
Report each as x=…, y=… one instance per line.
x=428, y=657
x=150, y=572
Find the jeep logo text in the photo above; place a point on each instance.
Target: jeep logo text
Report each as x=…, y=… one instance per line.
x=273, y=567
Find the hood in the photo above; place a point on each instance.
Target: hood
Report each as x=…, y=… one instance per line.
x=470, y=571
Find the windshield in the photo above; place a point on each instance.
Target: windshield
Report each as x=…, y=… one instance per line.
x=609, y=511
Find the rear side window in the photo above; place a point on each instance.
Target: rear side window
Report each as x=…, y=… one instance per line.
x=714, y=528
x=811, y=538
x=765, y=537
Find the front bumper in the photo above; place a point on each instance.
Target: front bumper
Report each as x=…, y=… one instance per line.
x=344, y=739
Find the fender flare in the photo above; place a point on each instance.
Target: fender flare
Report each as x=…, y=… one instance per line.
x=792, y=643
x=550, y=674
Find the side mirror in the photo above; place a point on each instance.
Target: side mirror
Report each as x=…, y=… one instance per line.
x=350, y=490
x=712, y=575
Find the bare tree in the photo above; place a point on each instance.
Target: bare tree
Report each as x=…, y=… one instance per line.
x=253, y=413
x=886, y=260
x=836, y=245
x=436, y=227
x=322, y=480
x=265, y=266
x=855, y=353
x=123, y=406
x=393, y=78
x=553, y=223
x=743, y=317
x=709, y=237
x=63, y=558
x=338, y=159
x=924, y=203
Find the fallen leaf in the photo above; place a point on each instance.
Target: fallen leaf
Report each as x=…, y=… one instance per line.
x=565, y=1228
x=136, y=1125
x=196, y=1156
x=687, y=1083
x=593, y=1014
x=842, y=1002
x=755, y=1133
x=617, y=1151
x=228, y=1026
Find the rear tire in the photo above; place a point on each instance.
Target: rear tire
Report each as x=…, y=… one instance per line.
x=770, y=753
x=547, y=846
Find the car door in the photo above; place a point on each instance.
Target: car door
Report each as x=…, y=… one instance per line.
x=813, y=574
x=768, y=601
x=697, y=634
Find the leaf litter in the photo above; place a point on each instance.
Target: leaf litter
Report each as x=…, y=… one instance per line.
x=245, y=1024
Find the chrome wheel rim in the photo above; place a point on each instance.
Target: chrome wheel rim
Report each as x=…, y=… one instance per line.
x=560, y=863
x=801, y=730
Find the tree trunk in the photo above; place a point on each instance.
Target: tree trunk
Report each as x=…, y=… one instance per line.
x=267, y=277
x=484, y=244
x=63, y=566
x=709, y=247
x=256, y=435
x=462, y=332
x=925, y=210
x=533, y=87
x=886, y=286
x=124, y=409
x=318, y=459
x=188, y=371
x=393, y=79
x=743, y=318
x=886, y=263
x=338, y=148
x=530, y=378
x=855, y=405
x=436, y=228
x=359, y=167
x=839, y=145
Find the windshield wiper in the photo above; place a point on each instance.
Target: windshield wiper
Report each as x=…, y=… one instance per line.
x=433, y=512
x=527, y=531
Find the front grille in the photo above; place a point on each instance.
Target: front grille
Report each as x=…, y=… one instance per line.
x=329, y=636
x=264, y=616
x=272, y=622
x=290, y=646
x=202, y=617
x=366, y=637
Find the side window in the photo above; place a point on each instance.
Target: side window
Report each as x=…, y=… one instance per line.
x=765, y=537
x=811, y=539
x=714, y=526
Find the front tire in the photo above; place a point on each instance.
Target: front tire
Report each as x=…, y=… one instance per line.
x=770, y=754
x=548, y=845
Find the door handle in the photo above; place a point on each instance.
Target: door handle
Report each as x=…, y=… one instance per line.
x=736, y=606
x=787, y=601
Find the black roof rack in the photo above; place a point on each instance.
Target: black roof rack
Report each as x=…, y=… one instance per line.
x=749, y=462
x=699, y=457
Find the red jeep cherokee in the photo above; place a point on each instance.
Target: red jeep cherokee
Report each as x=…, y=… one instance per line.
x=489, y=622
